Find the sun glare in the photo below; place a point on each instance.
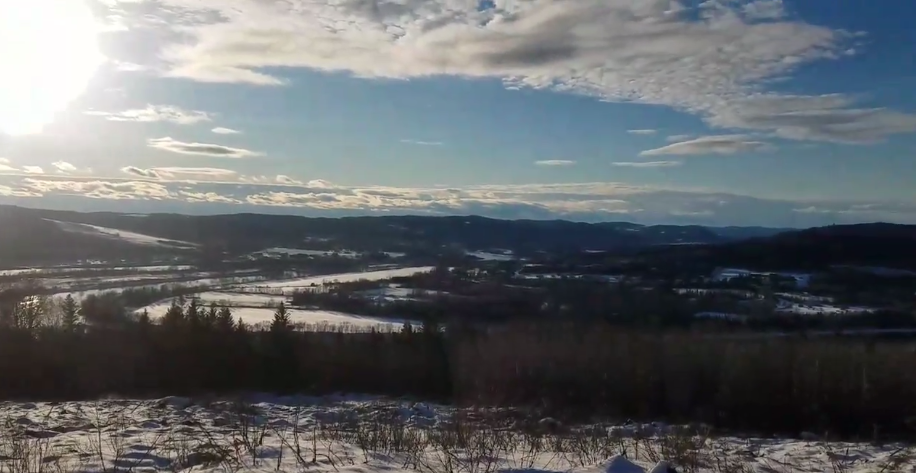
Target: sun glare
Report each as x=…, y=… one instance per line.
x=49, y=53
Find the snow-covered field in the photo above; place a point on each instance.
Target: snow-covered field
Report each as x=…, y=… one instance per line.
x=292, y=285
x=726, y=274
x=124, y=235
x=395, y=293
x=490, y=256
x=361, y=434
x=315, y=320
x=278, y=252
x=812, y=308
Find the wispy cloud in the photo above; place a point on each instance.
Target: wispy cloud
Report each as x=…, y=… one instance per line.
x=604, y=56
x=423, y=143
x=33, y=169
x=647, y=164
x=200, y=149
x=140, y=172
x=721, y=144
x=555, y=162
x=156, y=113
x=283, y=179
x=642, y=132
x=678, y=138
x=179, y=172
x=64, y=167
x=594, y=201
x=225, y=131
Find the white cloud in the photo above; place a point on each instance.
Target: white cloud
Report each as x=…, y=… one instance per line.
x=714, y=60
x=765, y=10
x=200, y=149
x=140, y=172
x=594, y=201
x=64, y=167
x=4, y=161
x=423, y=143
x=555, y=162
x=282, y=179
x=641, y=132
x=208, y=197
x=98, y=189
x=678, y=138
x=33, y=170
x=156, y=113
x=225, y=131
x=721, y=144
x=182, y=172
x=648, y=164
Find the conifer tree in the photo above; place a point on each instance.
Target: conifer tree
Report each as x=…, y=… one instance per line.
x=70, y=319
x=281, y=322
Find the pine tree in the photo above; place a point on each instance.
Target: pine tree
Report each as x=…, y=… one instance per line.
x=281, y=322
x=144, y=319
x=212, y=316
x=70, y=319
x=224, y=320
x=174, y=316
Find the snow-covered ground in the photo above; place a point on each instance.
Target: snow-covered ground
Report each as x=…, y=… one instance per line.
x=314, y=320
x=490, y=256
x=75, y=269
x=812, y=308
x=396, y=293
x=720, y=316
x=361, y=434
x=276, y=252
x=131, y=237
x=289, y=286
x=802, y=280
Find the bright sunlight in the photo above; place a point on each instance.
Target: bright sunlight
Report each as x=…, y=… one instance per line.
x=48, y=52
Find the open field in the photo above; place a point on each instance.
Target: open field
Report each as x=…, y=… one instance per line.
x=363, y=434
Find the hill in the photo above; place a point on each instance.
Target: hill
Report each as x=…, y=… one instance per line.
x=876, y=244
x=33, y=236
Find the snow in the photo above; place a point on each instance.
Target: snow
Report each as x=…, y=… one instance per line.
x=820, y=309
x=301, y=433
x=488, y=256
x=395, y=293
x=289, y=286
x=313, y=320
x=131, y=237
x=720, y=316
x=726, y=274
x=89, y=269
x=275, y=252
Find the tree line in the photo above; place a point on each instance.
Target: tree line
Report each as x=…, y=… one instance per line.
x=571, y=369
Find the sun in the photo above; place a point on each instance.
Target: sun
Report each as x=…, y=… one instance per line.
x=48, y=53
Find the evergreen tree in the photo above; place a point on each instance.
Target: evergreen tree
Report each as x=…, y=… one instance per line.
x=224, y=320
x=212, y=316
x=174, y=316
x=144, y=319
x=70, y=319
x=281, y=322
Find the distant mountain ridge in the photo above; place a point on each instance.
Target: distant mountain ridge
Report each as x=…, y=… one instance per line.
x=876, y=244
x=31, y=235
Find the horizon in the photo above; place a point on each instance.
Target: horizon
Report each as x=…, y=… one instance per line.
x=769, y=113
x=279, y=213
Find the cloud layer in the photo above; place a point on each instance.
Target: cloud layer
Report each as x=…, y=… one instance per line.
x=200, y=149
x=596, y=201
x=721, y=144
x=156, y=113
x=713, y=60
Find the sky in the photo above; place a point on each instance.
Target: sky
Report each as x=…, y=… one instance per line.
x=781, y=113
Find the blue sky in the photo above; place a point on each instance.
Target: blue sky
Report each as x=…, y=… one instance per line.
x=717, y=112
